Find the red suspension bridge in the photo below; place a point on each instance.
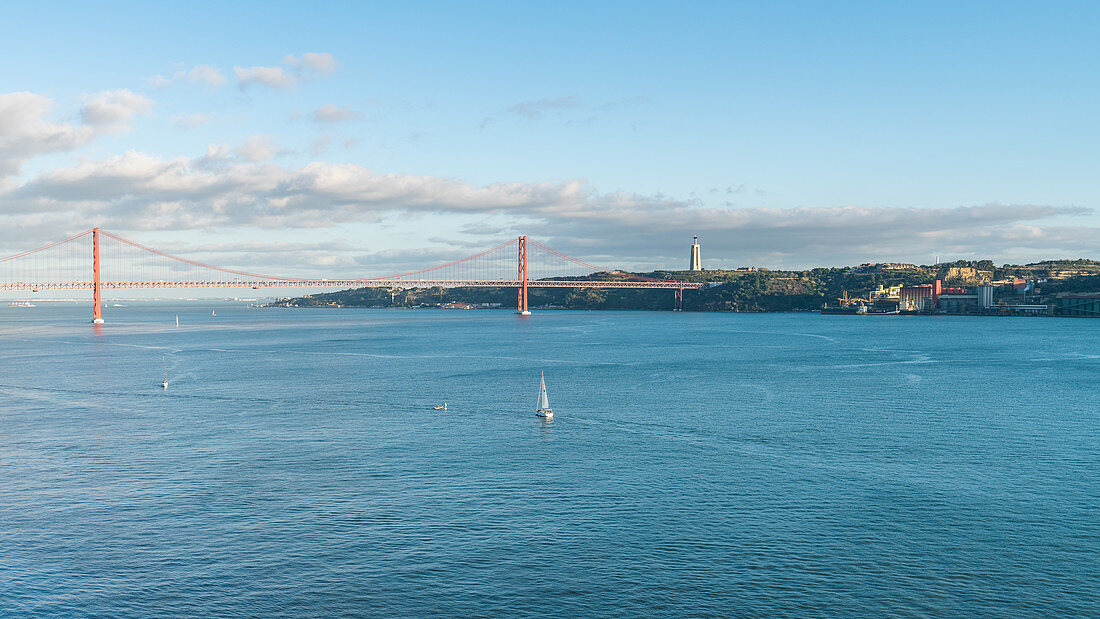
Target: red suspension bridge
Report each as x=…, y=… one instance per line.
x=98, y=260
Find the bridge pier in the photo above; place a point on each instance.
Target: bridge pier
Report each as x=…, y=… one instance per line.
x=97, y=301
x=521, y=276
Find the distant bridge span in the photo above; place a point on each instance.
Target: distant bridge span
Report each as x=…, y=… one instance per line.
x=120, y=264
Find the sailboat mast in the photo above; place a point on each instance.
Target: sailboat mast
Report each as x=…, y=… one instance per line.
x=544, y=402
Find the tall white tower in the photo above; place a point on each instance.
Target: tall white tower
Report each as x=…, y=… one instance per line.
x=696, y=262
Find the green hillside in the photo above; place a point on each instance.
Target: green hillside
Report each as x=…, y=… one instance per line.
x=730, y=291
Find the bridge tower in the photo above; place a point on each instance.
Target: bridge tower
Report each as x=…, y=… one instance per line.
x=678, y=299
x=97, y=309
x=521, y=277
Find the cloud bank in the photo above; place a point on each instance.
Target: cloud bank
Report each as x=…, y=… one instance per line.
x=240, y=187
x=234, y=187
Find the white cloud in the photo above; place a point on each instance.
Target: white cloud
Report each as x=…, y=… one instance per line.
x=321, y=64
x=159, y=81
x=216, y=155
x=206, y=75
x=111, y=110
x=310, y=66
x=294, y=71
x=203, y=75
x=272, y=77
x=214, y=189
x=26, y=131
x=330, y=113
x=258, y=148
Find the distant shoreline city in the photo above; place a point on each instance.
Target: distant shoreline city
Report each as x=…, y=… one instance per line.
x=962, y=287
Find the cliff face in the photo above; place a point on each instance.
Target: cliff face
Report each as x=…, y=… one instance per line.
x=965, y=275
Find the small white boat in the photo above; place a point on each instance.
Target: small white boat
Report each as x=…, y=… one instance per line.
x=177, y=320
x=543, y=409
x=164, y=373
x=212, y=313
x=524, y=313
x=441, y=407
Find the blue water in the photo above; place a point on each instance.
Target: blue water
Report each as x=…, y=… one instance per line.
x=699, y=464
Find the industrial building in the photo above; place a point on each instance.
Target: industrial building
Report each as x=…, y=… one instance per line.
x=985, y=296
x=983, y=299
x=958, y=303
x=915, y=298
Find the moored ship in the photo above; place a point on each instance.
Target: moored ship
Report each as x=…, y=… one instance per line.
x=860, y=307
x=861, y=310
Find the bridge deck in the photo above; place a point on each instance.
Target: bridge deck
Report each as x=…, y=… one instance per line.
x=346, y=283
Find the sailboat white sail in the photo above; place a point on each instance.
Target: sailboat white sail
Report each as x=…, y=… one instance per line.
x=164, y=373
x=177, y=320
x=543, y=409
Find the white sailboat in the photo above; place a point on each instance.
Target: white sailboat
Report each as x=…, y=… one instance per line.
x=177, y=321
x=543, y=409
x=164, y=373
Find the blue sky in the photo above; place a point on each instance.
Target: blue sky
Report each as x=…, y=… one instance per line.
x=365, y=138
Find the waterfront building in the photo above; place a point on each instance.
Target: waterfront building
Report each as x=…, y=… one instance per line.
x=696, y=263
x=958, y=302
x=1024, y=309
x=915, y=298
x=985, y=296
x=890, y=292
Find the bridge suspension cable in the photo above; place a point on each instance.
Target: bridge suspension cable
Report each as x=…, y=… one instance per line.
x=100, y=260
